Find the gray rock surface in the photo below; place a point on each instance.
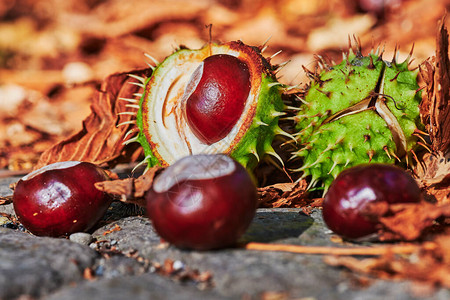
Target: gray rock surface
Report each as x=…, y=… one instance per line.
x=237, y=272
x=6, y=191
x=127, y=260
x=143, y=287
x=4, y=185
x=36, y=266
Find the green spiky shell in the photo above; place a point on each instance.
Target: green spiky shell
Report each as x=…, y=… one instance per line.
x=256, y=128
x=258, y=139
x=330, y=142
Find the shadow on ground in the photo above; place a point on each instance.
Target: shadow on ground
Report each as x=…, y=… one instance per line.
x=271, y=225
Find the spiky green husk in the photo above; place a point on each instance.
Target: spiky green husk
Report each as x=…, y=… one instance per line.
x=150, y=158
x=252, y=144
x=258, y=139
x=330, y=142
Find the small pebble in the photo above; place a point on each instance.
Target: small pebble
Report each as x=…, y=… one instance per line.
x=178, y=265
x=81, y=238
x=99, y=271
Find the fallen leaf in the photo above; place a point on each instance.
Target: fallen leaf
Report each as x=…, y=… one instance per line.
x=434, y=177
x=436, y=107
x=405, y=221
x=430, y=263
x=130, y=190
x=284, y=195
x=114, y=19
x=100, y=141
x=434, y=168
x=335, y=33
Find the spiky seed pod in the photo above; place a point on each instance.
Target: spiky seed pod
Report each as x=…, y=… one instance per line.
x=175, y=118
x=362, y=110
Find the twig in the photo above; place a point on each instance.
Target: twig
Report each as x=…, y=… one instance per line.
x=375, y=250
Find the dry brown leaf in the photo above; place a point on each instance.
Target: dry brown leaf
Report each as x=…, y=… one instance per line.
x=405, y=221
x=433, y=169
x=284, y=195
x=130, y=190
x=440, y=193
x=429, y=264
x=434, y=177
x=101, y=139
x=435, y=108
x=117, y=18
x=426, y=70
x=30, y=123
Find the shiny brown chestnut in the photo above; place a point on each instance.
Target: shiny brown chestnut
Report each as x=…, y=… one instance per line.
x=202, y=202
x=219, y=89
x=356, y=187
x=60, y=199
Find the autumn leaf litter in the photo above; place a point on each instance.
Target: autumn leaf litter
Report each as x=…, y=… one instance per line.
x=46, y=136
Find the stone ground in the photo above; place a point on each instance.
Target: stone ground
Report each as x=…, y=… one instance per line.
x=123, y=258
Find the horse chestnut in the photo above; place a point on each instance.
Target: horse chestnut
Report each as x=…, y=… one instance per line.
x=202, y=202
x=354, y=188
x=61, y=198
x=217, y=93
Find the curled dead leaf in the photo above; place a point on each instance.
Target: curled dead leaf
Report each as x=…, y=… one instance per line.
x=405, y=221
x=435, y=167
x=434, y=177
x=430, y=263
x=284, y=195
x=100, y=140
x=435, y=108
x=130, y=190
